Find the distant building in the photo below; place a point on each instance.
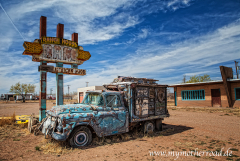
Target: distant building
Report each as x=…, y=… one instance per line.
x=221, y=93
x=82, y=91
x=16, y=97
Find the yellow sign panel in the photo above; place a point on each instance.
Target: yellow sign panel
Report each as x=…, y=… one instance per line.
x=20, y=119
x=50, y=40
x=69, y=43
x=56, y=40
x=83, y=55
x=54, y=49
x=32, y=48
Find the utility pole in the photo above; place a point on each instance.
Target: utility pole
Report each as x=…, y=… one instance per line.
x=87, y=84
x=184, y=78
x=237, y=68
x=68, y=89
x=51, y=91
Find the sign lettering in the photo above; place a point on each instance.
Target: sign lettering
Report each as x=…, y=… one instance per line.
x=52, y=69
x=56, y=40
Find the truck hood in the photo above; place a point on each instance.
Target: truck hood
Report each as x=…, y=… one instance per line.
x=71, y=108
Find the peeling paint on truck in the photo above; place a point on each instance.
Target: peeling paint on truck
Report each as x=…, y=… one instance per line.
x=107, y=112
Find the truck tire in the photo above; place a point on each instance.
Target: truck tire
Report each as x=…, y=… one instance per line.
x=148, y=127
x=82, y=136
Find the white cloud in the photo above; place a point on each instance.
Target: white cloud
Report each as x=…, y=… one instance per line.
x=143, y=34
x=194, y=56
x=97, y=21
x=90, y=33
x=85, y=17
x=176, y=4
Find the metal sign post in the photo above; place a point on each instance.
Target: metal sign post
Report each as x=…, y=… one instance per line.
x=59, y=86
x=43, y=91
x=55, y=50
x=59, y=76
x=43, y=74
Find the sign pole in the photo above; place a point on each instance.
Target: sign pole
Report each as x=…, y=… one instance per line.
x=43, y=74
x=59, y=76
x=59, y=86
x=43, y=90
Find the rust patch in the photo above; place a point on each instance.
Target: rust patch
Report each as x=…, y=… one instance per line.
x=64, y=123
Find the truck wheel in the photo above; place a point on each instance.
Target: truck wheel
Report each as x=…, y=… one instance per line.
x=149, y=127
x=81, y=137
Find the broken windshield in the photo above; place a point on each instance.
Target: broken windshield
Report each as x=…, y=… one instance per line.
x=94, y=99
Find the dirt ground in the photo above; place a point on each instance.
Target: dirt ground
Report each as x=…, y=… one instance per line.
x=27, y=108
x=188, y=134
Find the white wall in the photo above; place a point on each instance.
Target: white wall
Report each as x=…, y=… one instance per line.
x=92, y=88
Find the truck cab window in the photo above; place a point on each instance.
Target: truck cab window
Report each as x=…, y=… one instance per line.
x=113, y=101
x=94, y=99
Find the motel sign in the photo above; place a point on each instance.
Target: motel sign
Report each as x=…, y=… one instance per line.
x=55, y=50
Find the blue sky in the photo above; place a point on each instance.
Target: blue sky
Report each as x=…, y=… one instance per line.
x=156, y=39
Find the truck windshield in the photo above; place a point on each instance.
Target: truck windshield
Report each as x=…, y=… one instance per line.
x=94, y=99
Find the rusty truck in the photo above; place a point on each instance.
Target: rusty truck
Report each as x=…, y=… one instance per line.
x=125, y=103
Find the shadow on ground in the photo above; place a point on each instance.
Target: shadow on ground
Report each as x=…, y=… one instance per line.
x=134, y=134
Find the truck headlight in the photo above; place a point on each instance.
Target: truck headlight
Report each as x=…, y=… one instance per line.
x=59, y=125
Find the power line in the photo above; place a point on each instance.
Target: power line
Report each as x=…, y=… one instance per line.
x=12, y=22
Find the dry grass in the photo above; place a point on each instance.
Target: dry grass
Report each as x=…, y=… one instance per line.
x=8, y=128
x=8, y=120
x=13, y=131
x=50, y=146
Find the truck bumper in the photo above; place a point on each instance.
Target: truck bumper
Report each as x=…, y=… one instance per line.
x=58, y=136
x=48, y=128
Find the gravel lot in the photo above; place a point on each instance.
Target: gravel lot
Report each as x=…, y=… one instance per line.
x=200, y=134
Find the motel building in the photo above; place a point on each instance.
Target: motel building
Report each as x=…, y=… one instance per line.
x=221, y=93
x=206, y=94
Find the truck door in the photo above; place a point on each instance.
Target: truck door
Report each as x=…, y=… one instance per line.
x=115, y=116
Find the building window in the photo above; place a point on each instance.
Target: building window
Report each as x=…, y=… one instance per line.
x=193, y=95
x=237, y=93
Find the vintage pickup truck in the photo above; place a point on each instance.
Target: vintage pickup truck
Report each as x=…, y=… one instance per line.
x=116, y=110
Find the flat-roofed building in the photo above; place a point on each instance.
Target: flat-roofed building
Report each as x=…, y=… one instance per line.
x=221, y=93
x=210, y=94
